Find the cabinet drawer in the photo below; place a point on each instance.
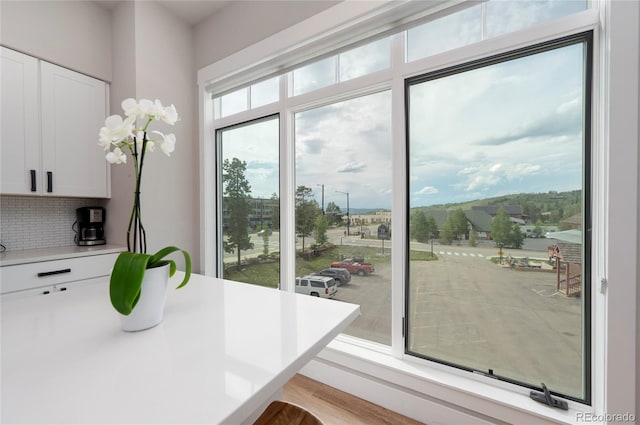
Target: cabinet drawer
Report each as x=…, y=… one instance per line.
x=46, y=273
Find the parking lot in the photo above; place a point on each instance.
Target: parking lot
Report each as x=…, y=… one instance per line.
x=467, y=310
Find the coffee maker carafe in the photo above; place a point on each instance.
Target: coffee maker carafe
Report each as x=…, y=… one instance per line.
x=90, y=229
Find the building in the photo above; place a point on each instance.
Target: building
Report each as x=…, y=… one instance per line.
x=514, y=211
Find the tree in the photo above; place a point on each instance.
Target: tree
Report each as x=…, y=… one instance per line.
x=275, y=212
x=321, y=229
x=418, y=228
x=500, y=228
x=504, y=232
x=265, y=243
x=307, y=210
x=516, y=237
x=459, y=223
x=432, y=226
x=446, y=234
x=455, y=226
x=237, y=192
x=473, y=238
x=333, y=213
x=537, y=230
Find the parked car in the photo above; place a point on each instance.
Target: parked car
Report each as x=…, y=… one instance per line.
x=359, y=267
x=342, y=276
x=316, y=286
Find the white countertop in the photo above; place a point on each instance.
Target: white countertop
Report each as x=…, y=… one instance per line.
x=222, y=349
x=10, y=258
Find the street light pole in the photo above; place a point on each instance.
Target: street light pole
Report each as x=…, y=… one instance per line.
x=322, y=185
x=348, y=219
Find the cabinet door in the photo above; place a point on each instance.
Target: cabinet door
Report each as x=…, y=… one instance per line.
x=20, y=124
x=73, y=110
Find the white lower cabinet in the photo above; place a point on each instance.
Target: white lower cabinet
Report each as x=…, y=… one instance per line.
x=53, y=276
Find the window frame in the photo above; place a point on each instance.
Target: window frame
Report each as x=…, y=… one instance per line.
x=219, y=189
x=613, y=255
x=585, y=38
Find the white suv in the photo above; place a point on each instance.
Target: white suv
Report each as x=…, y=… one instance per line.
x=317, y=286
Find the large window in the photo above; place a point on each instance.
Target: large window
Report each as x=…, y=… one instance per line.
x=483, y=21
x=343, y=202
x=353, y=63
x=499, y=192
x=248, y=196
x=448, y=167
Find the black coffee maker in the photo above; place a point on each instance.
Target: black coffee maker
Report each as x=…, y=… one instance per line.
x=90, y=222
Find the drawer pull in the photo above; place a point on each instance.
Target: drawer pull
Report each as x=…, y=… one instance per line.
x=43, y=274
x=49, y=181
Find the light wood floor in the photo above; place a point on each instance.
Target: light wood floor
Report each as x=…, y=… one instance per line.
x=335, y=407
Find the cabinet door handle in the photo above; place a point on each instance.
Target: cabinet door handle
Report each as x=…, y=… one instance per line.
x=49, y=181
x=33, y=180
x=43, y=274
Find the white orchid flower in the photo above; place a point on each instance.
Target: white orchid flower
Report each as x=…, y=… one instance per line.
x=168, y=114
x=140, y=109
x=117, y=157
x=115, y=130
x=168, y=144
x=147, y=107
x=129, y=106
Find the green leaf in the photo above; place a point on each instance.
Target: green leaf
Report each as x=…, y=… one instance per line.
x=128, y=271
x=158, y=256
x=126, y=280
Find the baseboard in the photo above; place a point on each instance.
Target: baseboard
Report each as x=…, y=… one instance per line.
x=389, y=396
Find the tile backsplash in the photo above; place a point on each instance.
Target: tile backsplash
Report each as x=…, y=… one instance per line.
x=38, y=222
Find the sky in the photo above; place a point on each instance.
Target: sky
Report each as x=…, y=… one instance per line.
x=507, y=128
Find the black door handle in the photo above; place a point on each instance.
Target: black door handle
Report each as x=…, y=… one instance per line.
x=33, y=180
x=49, y=181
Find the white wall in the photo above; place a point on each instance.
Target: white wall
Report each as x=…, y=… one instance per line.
x=73, y=34
x=165, y=71
x=153, y=59
x=122, y=87
x=624, y=137
x=243, y=23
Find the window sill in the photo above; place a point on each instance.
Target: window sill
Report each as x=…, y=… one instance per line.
x=474, y=395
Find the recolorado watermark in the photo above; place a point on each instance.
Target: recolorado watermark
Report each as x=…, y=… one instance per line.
x=605, y=417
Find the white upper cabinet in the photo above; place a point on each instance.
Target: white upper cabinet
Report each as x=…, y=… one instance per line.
x=20, y=124
x=50, y=122
x=73, y=110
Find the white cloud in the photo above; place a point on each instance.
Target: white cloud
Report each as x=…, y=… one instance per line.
x=468, y=170
x=427, y=190
x=572, y=105
x=521, y=170
x=482, y=182
x=352, y=167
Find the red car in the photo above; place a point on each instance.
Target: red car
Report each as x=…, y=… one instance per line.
x=359, y=268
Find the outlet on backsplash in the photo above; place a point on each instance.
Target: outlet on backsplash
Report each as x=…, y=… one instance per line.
x=39, y=222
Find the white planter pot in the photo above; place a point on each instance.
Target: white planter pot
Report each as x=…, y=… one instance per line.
x=149, y=310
